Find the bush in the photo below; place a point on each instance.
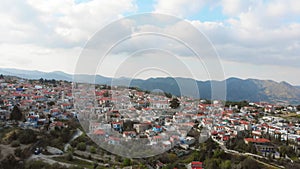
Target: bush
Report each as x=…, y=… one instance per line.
x=36, y=165
x=225, y=164
x=92, y=150
x=250, y=163
x=18, y=152
x=75, y=167
x=15, y=143
x=27, y=136
x=69, y=157
x=81, y=146
x=57, y=142
x=127, y=162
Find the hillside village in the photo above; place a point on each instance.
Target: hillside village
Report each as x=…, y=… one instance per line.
x=125, y=121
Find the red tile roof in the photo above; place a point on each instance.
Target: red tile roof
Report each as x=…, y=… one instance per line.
x=259, y=140
x=99, y=132
x=196, y=165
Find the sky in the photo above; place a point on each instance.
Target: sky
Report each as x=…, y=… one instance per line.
x=253, y=38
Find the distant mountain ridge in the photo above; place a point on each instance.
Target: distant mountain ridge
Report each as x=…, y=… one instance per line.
x=236, y=89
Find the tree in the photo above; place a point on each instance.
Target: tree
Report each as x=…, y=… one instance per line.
x=18, y=152
x=69, y=157
x=172, y=157
x=66, y=134
x=225, y=164
x=168, y=95
x=174, y=103
x=92, y=150
x=10, y=162
x=212, y=163
x=16, y=114
x=106, y=94
x=298, y=107
x=127, y=162
x=41, y=80
x=27, y=136
x=51, y=103
x=15, y=143
x=81, y=146
x=250, y=163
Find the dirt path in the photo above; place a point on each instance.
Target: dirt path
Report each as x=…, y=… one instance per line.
x=48, y=159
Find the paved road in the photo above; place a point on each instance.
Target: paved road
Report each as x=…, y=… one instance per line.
x=48, y=158
x=76, y=135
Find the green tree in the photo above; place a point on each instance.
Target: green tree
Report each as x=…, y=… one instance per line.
x=69, y=157
x=298, y=107
x=16, y=114
x=127, y=162
x=76, y=167
x=225, y=164
x=81, y=146
x=41, y=80
x=250, y=163
x=218, y=153
x=106, y=94
x=36, y=165
x=168, y=95
x=172, y=157
x=66, y=134
x=174, y=103
x=51, y=103
x=15, y=143
x=18, y=152
x=92, y=150
x=212, y=163
x=10, y=162
x=27, y=136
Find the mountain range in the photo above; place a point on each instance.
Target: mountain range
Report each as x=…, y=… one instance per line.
x=236, y=89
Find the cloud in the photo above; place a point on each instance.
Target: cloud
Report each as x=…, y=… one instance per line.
x=235, y=7
x=257, y=32
x=57, y=23
x=181, y=8
x=29, y=56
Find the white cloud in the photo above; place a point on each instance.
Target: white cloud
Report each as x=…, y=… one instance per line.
x=48, y=35
x=255, y=32
x=181, y=8
x=57, y=22
x=235, y=7
x=28, y=56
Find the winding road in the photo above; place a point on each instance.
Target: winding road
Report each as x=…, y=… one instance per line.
x=76, y=135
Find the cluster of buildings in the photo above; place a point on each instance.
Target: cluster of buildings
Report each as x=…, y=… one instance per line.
x=120, y=116
x=259, y=122
x=40, y=103
x=126, y=115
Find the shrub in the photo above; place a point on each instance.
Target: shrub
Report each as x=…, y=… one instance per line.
x=69, y=157
x=81, y=146
x=27, y=136
x=15, y=143
x=127, y=162
x=18, y=152
x=93, y=149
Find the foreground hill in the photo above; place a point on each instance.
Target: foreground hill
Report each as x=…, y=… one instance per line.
x=236, y=89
